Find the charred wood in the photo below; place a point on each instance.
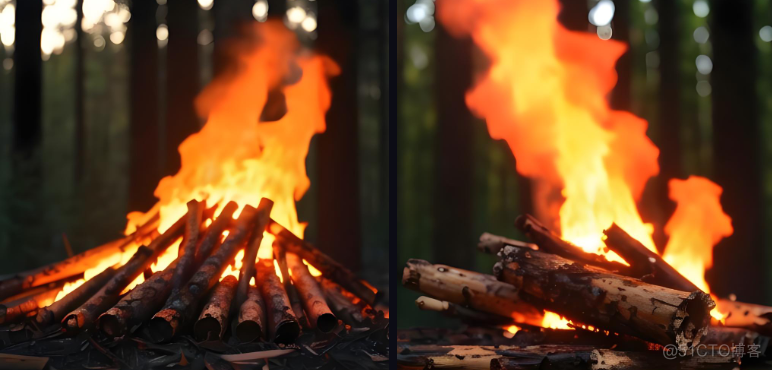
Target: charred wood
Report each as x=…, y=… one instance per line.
x=213, y=320
x=283, y=327
x=318, y=313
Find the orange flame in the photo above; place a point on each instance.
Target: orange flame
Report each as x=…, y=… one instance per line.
x=545, y=94
x=234, y=157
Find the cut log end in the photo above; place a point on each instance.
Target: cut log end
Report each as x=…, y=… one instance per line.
x=287, y=332
x=162, y=326
x=326, y=322
x=247, y=331
x=111, y=325
x=207, y=328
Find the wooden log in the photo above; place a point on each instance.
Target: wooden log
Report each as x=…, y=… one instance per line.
x=212, y=322
x=493, y=357
x=597, y=297
x=606, y=359
x=464, y=314
x=552, y=243
x=645, y=264
x=492, y=244
x=251, y=323
x=311, y=295
x=74, y=265
x=250, y=254
x=280, y=258
x=324, y=263
x=748, y=316
x=211, y=238
x=84, y=317
x=341, y=305
x=478, y=291
x=56, y=311
x=283, y=327
x=139, y=305
x=187, y=256
x=733, y=337
x=181, y=307
x=31, y=303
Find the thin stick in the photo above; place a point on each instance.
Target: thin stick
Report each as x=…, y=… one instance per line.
x=280, y=256
x=212, y=235
x=187, y=258
x=54, y=312
x=250, y=254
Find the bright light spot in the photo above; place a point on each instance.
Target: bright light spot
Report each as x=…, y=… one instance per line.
x=7, y=64
x=704, y=64
x=703, y=88
x=162, y=32
x=99, y=42
x=296, y=14
x=117, y=37
x=701, y=35
x=701, y=8
x=604, y=32
x=645, y=1
x=309, y=24
x=427, y=24
x=417, y=12
x=205, y=38
x=766, y=33
x=650, y=16
x=602, y=13
x=278, y=270
x=205, y=4
x=260, y=10
x=8, y=36
x=69, y=34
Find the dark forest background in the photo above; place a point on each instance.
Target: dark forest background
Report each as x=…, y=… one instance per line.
x=86, y=134
x=455, y=183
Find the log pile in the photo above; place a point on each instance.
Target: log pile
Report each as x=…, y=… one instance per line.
x=194, y=299
x=641, y=314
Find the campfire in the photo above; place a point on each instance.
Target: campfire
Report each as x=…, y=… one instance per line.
x=590, y=289
x=217, y=271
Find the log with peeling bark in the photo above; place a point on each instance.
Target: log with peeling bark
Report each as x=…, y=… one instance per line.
x=732, y=337
x=749, y=316
x=187, y=256
x=606, y=359
x=283, y=327
x=342, y=306
x=280, y=257
x=247, y=271
x=56, y=311
x=31, y=303
x=324, y=263
x=139, y=305
x=478, y=291
x=212, y=235
x=251, y=323
x=645, y=264
x=311, y=295
x=492, y=244
x=74, y=265
x=552, y=243
x=464, y=314
x=213, y=320
x=597, y=297
x=181, y=307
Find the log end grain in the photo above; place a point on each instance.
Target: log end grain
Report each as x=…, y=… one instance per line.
x=207, y=328
x=287, y=331
x=248, y=331
x=111, y=325
x=326, y=322
x=163, y=325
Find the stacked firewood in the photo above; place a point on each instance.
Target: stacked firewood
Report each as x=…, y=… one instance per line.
x=190, y=296
x=645, y=301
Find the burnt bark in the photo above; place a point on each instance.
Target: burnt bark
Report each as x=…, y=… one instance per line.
x=213, y=320
x=748, y=316
x=250, y=254
x=466, y=315
x=251, y=324
x=212, y=236
x=54, y=313
x=340, y=304
x=597, y=297
x=186, y=260
x=492, y=244
x=311, y=295
x=282, y=325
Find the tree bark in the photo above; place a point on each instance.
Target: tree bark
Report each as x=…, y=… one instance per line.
x=54, y=312
x=318, y=313
x=597, y=297
x=212, y=322
x=466, y=315
x=282, y=325
x=180, y=308
x=606, y=359
x=492, y=244
x=251, y=324
x=186, y=260
x=341, y=305
x=468, y=288
x=748, y=316
x=250, y=254
x=212, y=235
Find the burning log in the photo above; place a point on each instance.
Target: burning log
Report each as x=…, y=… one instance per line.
x=551, y=243
x=211, y=323
x=319, y=314
x=606, y=359
x=324, y=263
x=492, y=244
x=280, y=257
x=54, y=312
x=645, y=264
x=84, y=316
x=462, y=313
x=283, y=326
x=468, y=288
x=251, y=324
x=342, y=306
x=139, y=304
x=181, y=307
x=597, y=297
x=187, y=256
x=212, y=235
x=250, y=254
x=749, y=316
x=30, y=303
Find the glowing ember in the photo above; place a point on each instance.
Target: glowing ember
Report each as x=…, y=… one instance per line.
x=545, y=94
x=554, y=321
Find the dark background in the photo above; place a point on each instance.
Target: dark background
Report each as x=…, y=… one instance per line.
x=455, y=183
x=86, y=134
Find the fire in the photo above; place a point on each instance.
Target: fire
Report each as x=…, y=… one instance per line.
x=554, y=321
x=545, y=95
x=234, y=157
